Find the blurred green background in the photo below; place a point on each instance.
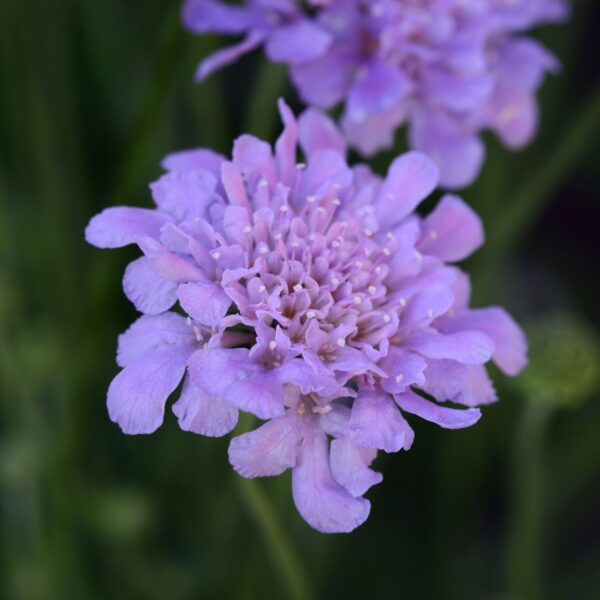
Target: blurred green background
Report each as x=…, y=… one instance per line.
x=92, y=95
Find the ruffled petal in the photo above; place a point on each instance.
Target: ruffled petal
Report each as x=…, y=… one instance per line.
x=137, y=395
x=260, y=394
x=153, y=332
x=204, y=301
x=376, y=422
x=298, y=42
x=190, y=160
x=269, y=450
x=510, y=353
x=122, y=225
x=148, y=292
x=449, y=418
x=469, y=347
x=201, y=413
x=318, y=132
x=350, y=466
x=403, y=369
x=322, y=502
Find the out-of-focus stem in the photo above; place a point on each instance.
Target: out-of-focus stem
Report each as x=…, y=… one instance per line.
x=525, y=552
x=262, y=112
x=282, y=553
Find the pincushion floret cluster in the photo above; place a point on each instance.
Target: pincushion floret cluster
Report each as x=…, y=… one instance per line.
x=448, y=69
x=311, y=295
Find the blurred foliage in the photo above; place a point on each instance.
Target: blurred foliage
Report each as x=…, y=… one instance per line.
x=92, y=95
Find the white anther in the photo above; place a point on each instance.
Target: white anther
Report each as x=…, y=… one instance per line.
x=189, y=321
x=387, y=318
x=341, y=342
x=312, y=237
x=387, y=251
x=368, y=232
x=278, y=236
x=311, y=314
x=272, y=344
x=263, y=183
x=433, y=234
x=378, y=270
x=418, y=255
x=322, y=410
x=301, y=166
x=336, y=201
x=263, y=249
x=335, y=243
x=360, y=264
x=247, y=229
x=390, y=236
x=216, y=255
x=321, y=210
x=344, y=224
x=430, y=313
x=402, y=301
x=335, y=281
x=284, y=208
x=311, y=199
x=372, y=289
x=298, y=287
x=399, y=378
x=295, y=244
x=262, y=288
x=357, y=300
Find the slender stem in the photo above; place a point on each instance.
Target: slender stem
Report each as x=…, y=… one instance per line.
x=525, y=554
x=262, y=114
x=282, y=553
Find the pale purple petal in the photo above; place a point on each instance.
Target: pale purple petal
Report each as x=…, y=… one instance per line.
x=298, y=42
x=404, y=368
x=150, y=293
x=449, y=418
x=350, y=466
x=477, y=388
x=411, y=178
x=318, y=132
x=510, y=353
x=190, y=160
x=122, y=225
x=260, y=394
x=469, y=347
x=201, y=16
x=201, y=413
x=269, y=450
x=137, y=395
x=154, y=332
x=204, y=301
x=452, y=231
x=321, y=501
x=376, y=422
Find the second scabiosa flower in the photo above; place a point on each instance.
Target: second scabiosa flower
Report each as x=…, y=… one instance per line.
x=311, y=295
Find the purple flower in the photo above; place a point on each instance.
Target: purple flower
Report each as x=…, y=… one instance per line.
x=447, y=68
x=316, y=299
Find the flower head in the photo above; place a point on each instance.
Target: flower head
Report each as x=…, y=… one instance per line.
x=447, y=68
x=315, y=298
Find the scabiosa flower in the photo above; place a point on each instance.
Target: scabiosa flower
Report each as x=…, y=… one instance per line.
x=313, y=297
x=447, y=68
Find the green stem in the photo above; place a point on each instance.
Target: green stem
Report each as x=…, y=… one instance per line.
x=281, y=552
x=525, y=554
x=262, y=112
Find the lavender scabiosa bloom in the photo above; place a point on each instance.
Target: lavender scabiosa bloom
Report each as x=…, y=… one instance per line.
x=447, y=68
x=316, y=299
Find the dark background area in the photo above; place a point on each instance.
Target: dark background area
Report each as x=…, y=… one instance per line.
x=92, y=96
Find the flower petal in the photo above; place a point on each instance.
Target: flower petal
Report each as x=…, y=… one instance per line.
x=298, y=42
x=318, y=132
x=137, y=395
x=322, y=502
x=148, y=292
x=449, y=418
x=452, y=231
x=260, y=394
x=201, y=413
x=510, y=353
x=204, y=301
x=350, y=466
x=122, y=225
x=404, y=368
x=153, y=332
x=196, y=158
x=376, y=422
x=469, y=347
x=411, y=178
x=269, y=450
